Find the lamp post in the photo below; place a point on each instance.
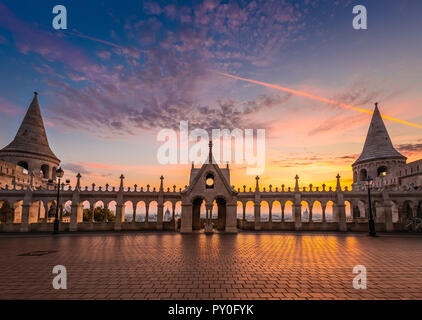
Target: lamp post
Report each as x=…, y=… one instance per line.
x=369, y=181
x=59, y=174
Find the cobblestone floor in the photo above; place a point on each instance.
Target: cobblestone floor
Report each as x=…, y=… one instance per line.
x=221, y=266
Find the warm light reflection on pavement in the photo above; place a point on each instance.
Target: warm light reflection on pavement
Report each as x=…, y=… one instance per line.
x=221, y=266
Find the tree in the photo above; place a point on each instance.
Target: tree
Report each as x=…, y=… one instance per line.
x=99, y=214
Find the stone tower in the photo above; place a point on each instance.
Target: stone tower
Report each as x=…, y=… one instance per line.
x=378, y=160
x=30, y=148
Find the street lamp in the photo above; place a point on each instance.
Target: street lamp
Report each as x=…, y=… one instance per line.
x=369, y=181
x=59, y=174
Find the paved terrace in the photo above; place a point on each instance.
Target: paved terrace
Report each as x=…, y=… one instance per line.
x=221, y=266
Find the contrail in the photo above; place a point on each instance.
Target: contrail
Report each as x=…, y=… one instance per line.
x=311, y=96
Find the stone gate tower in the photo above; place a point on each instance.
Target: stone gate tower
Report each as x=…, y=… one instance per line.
x=30, y=148
x=378, y=160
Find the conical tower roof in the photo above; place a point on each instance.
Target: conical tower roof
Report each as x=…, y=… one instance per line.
x=31, y=138
x=378, y=143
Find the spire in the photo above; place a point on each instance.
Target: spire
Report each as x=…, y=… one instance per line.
x=31, y=137
x=210, y=152
x=378, y=143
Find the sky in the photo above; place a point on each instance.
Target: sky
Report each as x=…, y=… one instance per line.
x=123, y=71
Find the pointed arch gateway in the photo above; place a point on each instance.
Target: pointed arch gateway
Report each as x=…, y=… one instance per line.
x=210, y=190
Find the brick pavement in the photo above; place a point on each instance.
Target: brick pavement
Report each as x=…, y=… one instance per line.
x=221, y=266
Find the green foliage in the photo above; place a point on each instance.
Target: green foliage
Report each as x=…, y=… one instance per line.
x=99, y=214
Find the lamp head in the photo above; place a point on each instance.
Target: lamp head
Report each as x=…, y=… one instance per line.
x=59, y=172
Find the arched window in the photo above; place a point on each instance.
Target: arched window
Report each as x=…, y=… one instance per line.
x=363, y=175
x=45, y=170
x=382, y=171
x=209, y=181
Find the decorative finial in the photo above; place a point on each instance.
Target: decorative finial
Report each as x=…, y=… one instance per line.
x=297, y=183
x=376, y=104
x=35, y=93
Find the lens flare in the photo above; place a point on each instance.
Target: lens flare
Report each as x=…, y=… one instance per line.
x=311, y=96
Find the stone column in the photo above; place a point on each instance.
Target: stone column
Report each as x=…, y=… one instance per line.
x=186, y=223
x=282, y=212
x=297, y=216
x=160, y=209
x=323, y=207
x=24, y=226
x=173, y=211
x=134, y=212
x=310, y=220
x=244, y=211
x=92, y=213
x=231, y=219
x=257, y=215
x=388, y=217
x=119, y=214
x=147, y=212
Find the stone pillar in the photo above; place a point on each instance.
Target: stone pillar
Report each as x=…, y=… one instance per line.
x=388, y=217
x=297, y=206
x=257, y=215
x=270, y=212
x=282, y=211
x=173, y=211
x=92, y=212
x=340, y=214
x=134, y=212
x=231, y=219
x=24, y=227
x=186, y=223
x=76, y=215
x=147, y=212
x=297, y=216
x=310, y=213
x=119, y=215
x=73, y=226
x=323, y=207
x=160, y=209
x=244, y=211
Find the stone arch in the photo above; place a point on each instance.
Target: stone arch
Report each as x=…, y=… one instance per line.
x=153, y=210
x=249, y=211
x=88, y=214
x=276, y=211
x=363, y=174
x=329, y=211
x=6, y=212
x=167, y=210
x=362, y=208
x=408, y=210
x=265, y=210
x=45, y=171
x=141, y=211
x=305, y=210
x=198, y=205
x=239, y=210
x=382, y=171
x=348, y=208
x=288, y=211
x=67, y=209
x=221, y=204
x=178, y=209
x=24, y=165
x=127, y=211
x=110, y=211
x=317, y=211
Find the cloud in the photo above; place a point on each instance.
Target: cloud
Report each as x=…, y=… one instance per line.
x=409, y=147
